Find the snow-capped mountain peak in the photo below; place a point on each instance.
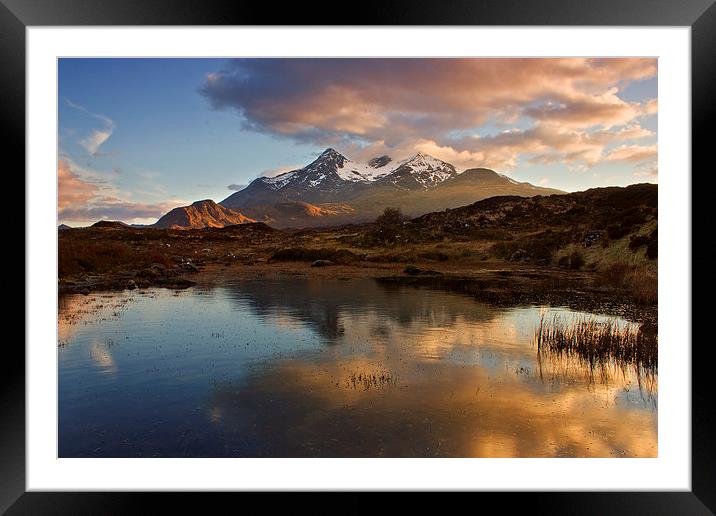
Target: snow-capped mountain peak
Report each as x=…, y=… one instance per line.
x=331, y=169
x=329, y=157
x=421, y=171
x=334, y=182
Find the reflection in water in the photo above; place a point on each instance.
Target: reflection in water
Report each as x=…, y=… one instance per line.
x=332, y=368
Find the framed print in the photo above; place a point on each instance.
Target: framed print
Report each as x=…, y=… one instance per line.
x=449, y=252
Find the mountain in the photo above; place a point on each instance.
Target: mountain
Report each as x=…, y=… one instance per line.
x=419, y=172
x=63, y=227
x=201, y=214
x=333, y=190
x=329, y=178
x=111, y=224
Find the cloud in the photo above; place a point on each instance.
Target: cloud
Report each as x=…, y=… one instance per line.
x=273, y=172
x=71, y=190
x=81, y=198
x=96, y=137
x=635, y=153
x=236, y=188
x=110, y=208
x=543, y=143
x=399, y=105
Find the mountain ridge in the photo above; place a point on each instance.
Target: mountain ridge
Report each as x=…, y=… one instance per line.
x=201, y=214
x=335, y=190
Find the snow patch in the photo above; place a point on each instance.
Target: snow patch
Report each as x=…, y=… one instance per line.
x=427, y=170
x=509, y=179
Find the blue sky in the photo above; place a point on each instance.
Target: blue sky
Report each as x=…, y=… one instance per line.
x=140, y=136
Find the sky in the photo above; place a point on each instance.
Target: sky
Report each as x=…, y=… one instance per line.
x=138, y=137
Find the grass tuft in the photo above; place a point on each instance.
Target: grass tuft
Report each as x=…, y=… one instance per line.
x=599, y=342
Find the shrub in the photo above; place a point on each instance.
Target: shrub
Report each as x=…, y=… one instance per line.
x=389, y=227
x=637, y=241
x=617, y=231
x=390, y=218
x=576, y=260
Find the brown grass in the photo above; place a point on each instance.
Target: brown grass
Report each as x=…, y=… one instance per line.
x=641, y=282
x=89, y=256
x=599, y=342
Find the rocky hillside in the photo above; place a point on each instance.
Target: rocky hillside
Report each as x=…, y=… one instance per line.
x=601, y=225
x=201, y=214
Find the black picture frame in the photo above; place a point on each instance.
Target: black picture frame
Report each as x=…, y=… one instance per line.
x=17, y=15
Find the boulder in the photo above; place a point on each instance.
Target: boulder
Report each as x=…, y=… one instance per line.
x=188, y=266
x=593, y=237
x=412, y=270
x=519, y=256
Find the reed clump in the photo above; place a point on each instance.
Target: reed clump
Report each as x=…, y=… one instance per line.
x=599, y=342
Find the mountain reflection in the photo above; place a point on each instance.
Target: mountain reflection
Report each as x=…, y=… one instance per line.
x=323, y=304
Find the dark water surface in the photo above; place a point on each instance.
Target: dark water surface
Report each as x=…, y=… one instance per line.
x=330, y=368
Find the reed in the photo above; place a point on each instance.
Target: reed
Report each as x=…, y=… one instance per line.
x=599, y=342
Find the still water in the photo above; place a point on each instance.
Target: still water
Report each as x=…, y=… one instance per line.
x=330, y=368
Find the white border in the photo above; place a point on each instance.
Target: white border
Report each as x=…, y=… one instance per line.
x=671, y=470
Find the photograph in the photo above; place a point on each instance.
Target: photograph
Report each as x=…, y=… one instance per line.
x=357, y=257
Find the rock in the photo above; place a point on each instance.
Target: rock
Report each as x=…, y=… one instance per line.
x=176, y=283
x=150, y=272
x=188, y=266
x=519, y=256
x=412, y=270
x=321, y=263
x=131, y=285
x=593, y=237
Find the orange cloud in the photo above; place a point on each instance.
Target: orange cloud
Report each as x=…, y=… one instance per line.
x=71, y=190
x=546, y=144
x=405, y=105
x=81, y=200
x=633, y=153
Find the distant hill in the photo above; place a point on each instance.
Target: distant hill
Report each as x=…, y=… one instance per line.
x=63, y=227
x=111, y=224
x=334, y=190
x=201, y=214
